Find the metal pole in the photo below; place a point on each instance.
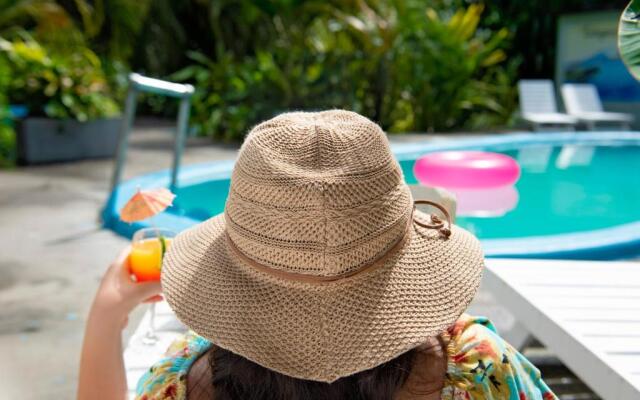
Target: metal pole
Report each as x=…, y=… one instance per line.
x=181, y=134
x=123, y=137
x=139, y=83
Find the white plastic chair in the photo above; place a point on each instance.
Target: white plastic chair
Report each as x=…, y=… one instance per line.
x=583, y=102
x=538, y=105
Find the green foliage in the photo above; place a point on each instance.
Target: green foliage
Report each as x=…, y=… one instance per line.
x=64, y=59
x=44, y=16
x=447, y=74
x=7, y=143
x=408, y=67
x=58, y=84
x=111, y=26
x=629, y=37
x=69, y=59
x=108, y=27
x=230, y=95
x=7, y=133
x=399, y=62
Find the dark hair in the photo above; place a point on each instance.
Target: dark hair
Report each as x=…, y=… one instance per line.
x=233, y=377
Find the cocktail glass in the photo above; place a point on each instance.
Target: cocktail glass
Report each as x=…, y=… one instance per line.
x=147, y=251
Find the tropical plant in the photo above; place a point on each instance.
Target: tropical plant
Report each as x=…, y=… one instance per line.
x=435, y=71
x=46, y=63
x=7, y=133
x=111, y=26
x=407, y=66
x=282, y=57
x=629, y=37
x=41, y=15
x=68, y=84
x=401, y=64
x=7, y=140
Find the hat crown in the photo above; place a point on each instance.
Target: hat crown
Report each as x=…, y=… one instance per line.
x=317, y=194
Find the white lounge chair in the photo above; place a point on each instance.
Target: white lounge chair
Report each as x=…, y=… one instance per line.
x=585, y=312
x=538, y=105
x=583, y=102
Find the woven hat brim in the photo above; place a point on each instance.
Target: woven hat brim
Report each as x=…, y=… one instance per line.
x=321, y=331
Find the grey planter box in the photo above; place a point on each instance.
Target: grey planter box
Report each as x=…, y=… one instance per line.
x=43, y=140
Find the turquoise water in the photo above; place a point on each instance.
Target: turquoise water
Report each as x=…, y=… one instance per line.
x=562, y=189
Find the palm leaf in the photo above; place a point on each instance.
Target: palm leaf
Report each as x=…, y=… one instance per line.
x=629, y=37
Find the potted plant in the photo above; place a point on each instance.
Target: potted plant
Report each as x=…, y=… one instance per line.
x=72, y=113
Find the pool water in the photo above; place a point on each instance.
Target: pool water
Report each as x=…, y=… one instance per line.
x=562, y=189
x=201, y=200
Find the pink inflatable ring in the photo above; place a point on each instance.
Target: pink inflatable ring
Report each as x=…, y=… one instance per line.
x=466, y=169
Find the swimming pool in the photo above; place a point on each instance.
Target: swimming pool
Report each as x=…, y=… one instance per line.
x=578, y=196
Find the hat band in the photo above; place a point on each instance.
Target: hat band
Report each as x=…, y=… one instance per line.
x=368, y=267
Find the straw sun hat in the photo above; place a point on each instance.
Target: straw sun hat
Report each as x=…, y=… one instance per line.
x=321, y=265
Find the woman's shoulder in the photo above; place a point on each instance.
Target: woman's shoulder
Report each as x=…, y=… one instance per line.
x=486, y=366
x=167, y=379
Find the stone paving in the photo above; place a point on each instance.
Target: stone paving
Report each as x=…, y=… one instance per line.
x=53, y=253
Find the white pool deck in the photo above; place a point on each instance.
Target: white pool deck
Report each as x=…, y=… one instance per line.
x=586, y=312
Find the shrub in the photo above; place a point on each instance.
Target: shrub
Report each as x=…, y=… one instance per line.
x=51, y=70
x=404, y=65
x=67, y=84
x=7, y=142
x=408, y=67
x=7, y=134
x=456, y=76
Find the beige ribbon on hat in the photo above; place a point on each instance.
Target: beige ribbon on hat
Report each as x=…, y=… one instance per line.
x=437, y=223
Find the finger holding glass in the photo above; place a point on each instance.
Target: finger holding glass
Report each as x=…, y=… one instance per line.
x=145, y=262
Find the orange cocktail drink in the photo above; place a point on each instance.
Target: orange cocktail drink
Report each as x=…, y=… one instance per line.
x=146, y=258
x=147, y=251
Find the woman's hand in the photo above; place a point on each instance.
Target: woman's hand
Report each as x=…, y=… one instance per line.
x=119, y=294
x=102, y=374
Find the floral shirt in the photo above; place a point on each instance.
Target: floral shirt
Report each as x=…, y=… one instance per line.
x=481, y=365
